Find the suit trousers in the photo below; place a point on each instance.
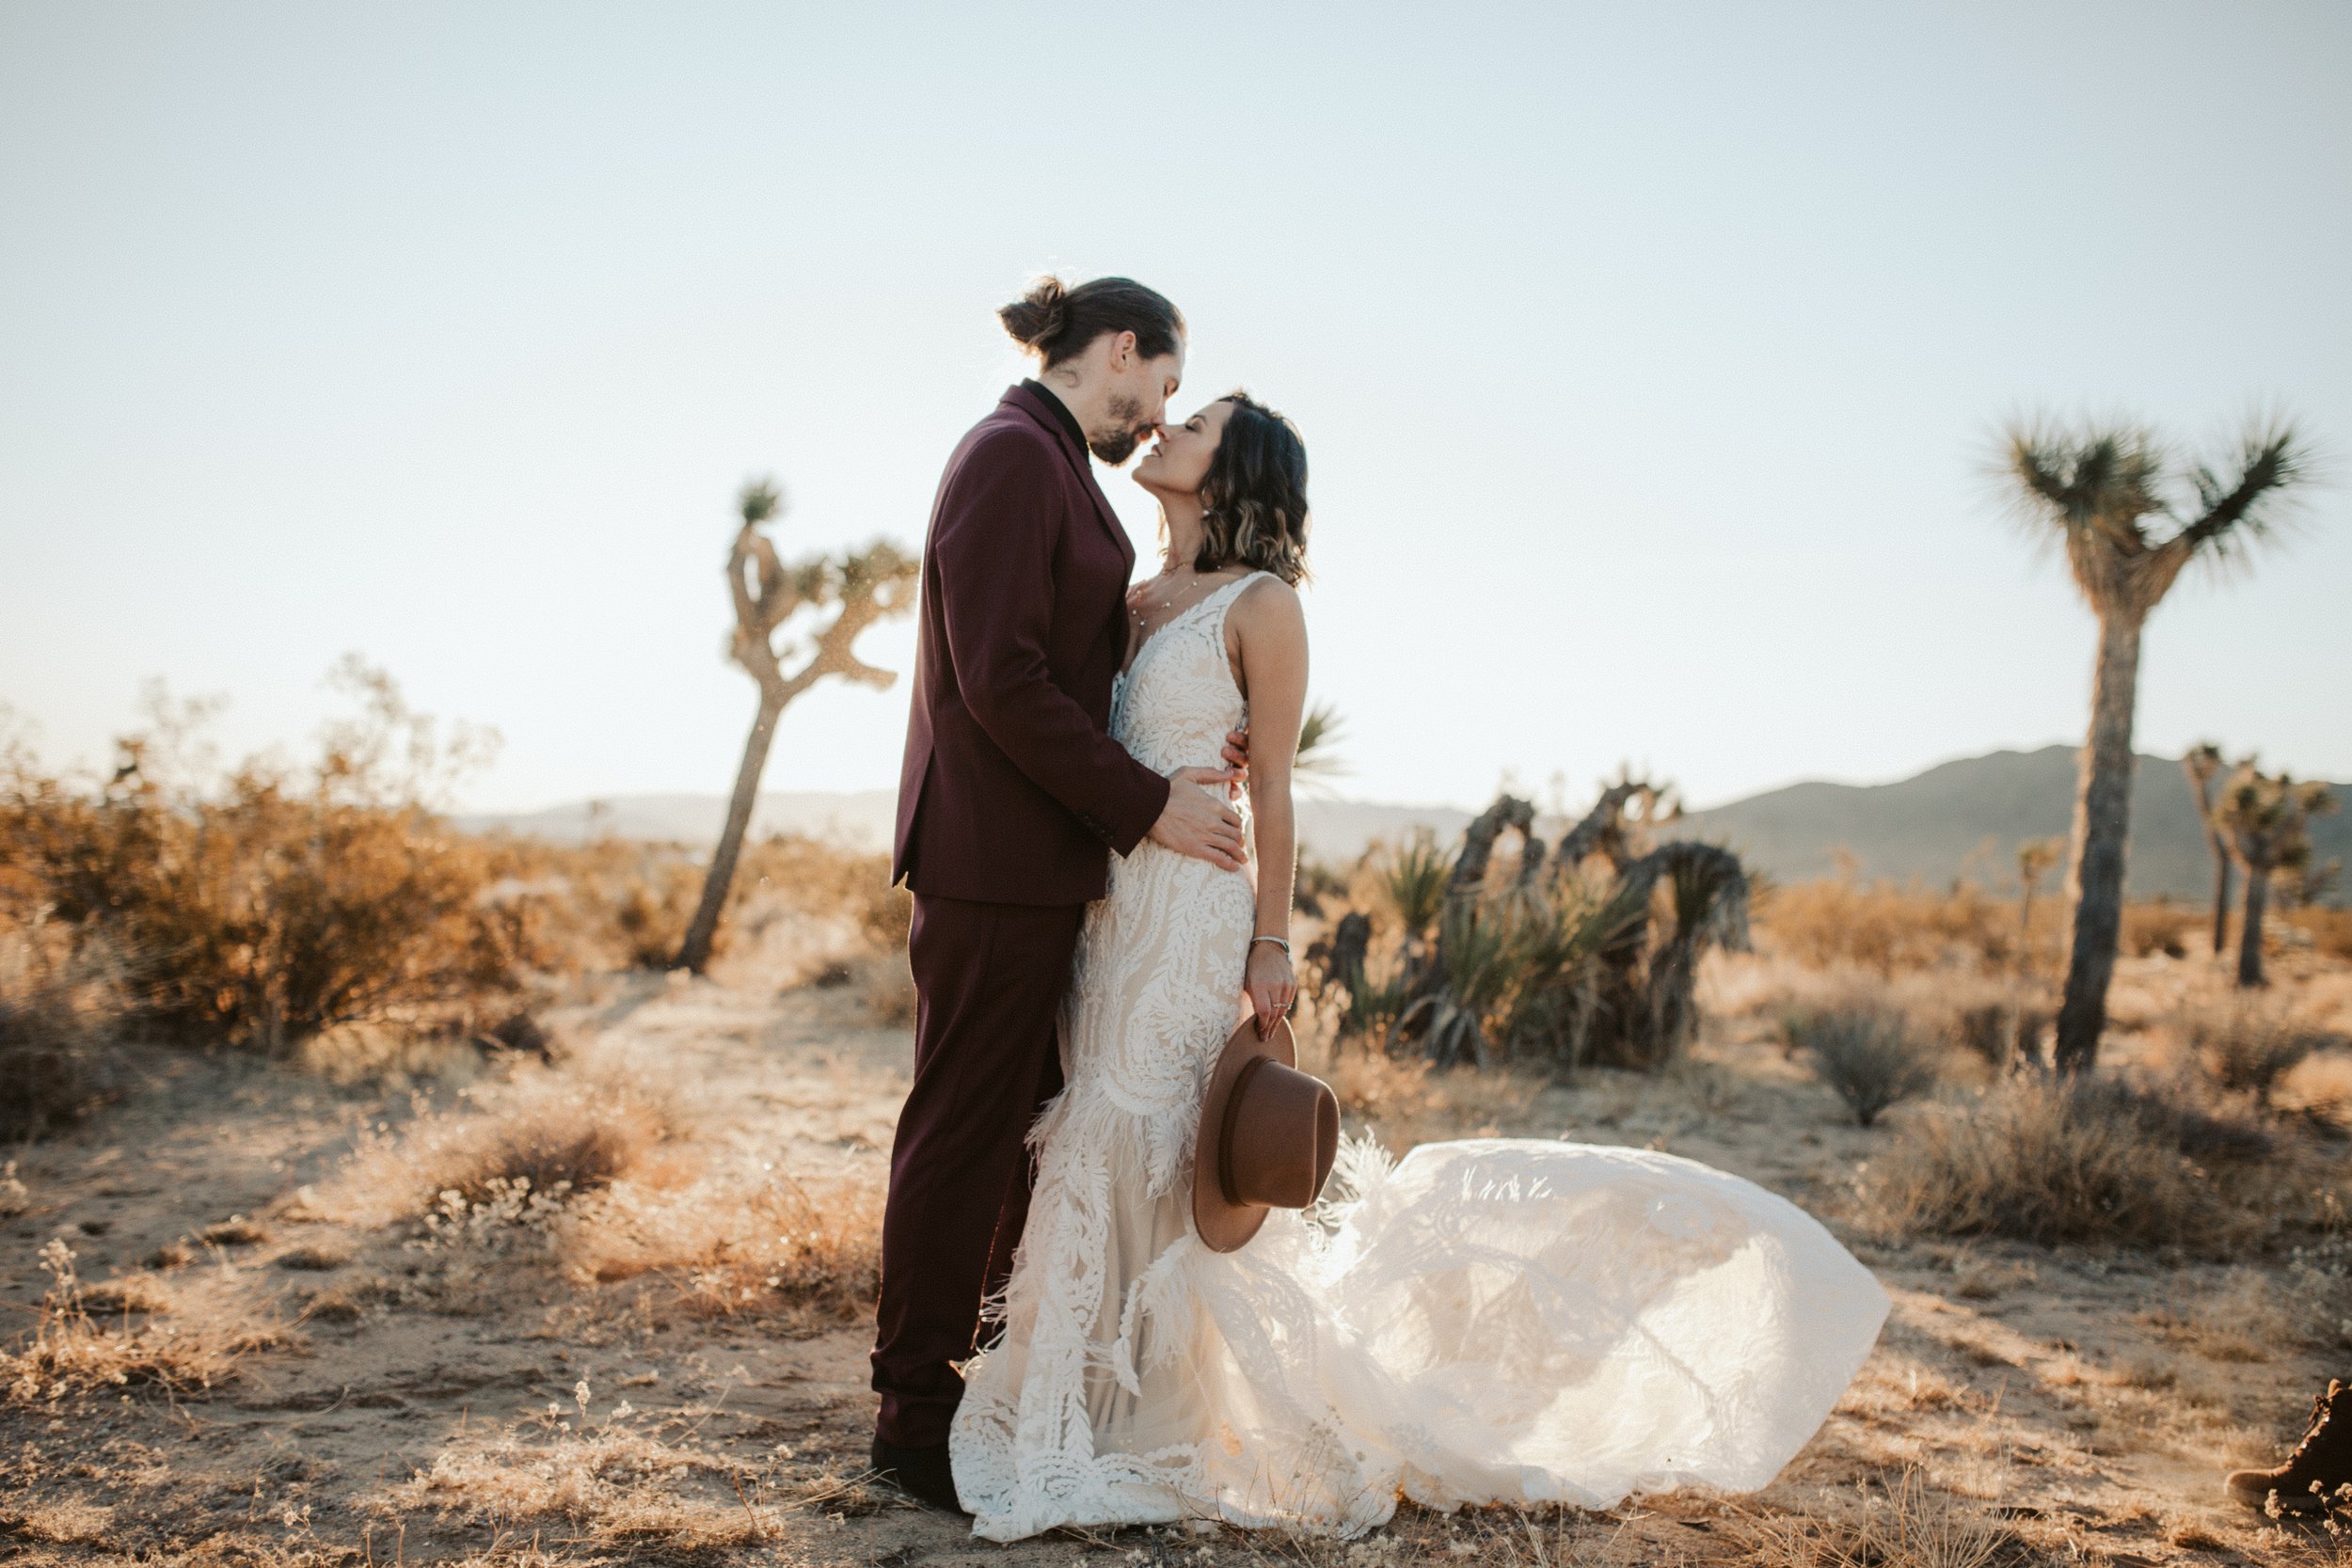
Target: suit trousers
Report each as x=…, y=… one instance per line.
x=989, y=981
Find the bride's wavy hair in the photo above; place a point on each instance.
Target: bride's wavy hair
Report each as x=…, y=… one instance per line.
x=1254, y=502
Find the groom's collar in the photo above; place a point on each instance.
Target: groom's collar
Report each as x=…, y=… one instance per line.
x=1059, y=409
x=1038, y=403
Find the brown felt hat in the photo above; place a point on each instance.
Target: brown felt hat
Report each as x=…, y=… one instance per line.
x=1268, y=1135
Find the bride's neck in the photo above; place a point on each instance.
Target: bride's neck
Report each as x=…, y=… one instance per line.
x=1180, y=519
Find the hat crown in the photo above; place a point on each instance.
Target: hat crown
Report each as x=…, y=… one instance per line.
x=1281, y=1139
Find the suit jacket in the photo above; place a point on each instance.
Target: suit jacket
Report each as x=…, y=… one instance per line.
x=1012, y=789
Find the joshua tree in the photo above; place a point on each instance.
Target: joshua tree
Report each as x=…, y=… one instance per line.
x=2202, y=764
x=2268, y=818
x=2097, y=490
x=2035, y=856
x=861, y=586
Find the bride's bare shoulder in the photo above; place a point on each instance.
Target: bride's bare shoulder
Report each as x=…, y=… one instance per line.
x=1268, y=611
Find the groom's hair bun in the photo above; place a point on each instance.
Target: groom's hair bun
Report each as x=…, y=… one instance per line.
x=1057, y=323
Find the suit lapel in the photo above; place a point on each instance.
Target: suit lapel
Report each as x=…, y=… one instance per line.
x=1076, y=455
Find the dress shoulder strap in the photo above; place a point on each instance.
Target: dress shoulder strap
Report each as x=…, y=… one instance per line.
x=1224, y=596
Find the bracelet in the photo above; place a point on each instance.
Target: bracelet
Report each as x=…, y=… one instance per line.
x=1282, y=943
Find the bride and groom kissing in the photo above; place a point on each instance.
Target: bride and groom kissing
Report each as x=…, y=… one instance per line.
x=1110, y=1291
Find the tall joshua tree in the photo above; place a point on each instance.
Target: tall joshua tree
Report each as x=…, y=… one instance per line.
x=2268, y=818
x=860, y=587
x=2104, y=494
x=2202, y=764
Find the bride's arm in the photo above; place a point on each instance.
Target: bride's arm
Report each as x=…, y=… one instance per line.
x=1272, y=633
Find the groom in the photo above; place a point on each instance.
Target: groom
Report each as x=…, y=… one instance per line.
x=1010, y=801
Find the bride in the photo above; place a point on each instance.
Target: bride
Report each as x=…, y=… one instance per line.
x=1488, y=1320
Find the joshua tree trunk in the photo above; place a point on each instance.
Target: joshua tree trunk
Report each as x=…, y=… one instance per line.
x=2250, y=941
x=2220, y=902
x=2094, y=874
x=694, y=952
x=2203, y=764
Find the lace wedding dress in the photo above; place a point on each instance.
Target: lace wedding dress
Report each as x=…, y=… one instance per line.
x=1491, y=1320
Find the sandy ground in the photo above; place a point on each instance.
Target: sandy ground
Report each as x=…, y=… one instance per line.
x=2065, y=1407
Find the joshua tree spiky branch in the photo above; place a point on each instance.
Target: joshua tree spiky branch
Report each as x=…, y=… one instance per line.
x=2268, y=818
x=2202, y=764
x=862, y=587
x=2097, y=489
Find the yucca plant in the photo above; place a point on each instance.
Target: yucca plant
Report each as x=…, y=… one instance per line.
x=1551, y=955
x=1413, y=878
x=1318, y=760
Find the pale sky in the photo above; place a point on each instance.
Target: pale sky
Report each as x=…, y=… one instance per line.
x=1647, y=355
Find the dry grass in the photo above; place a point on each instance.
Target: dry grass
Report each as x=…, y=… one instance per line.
x=543, y=1133
x=1889, y=930
x=593, y=1171
x=1908, y=1525
x=746, y=1241
x=617, y=1478
x=1885, y=928
x=100, y=1338
x=2105, y=1163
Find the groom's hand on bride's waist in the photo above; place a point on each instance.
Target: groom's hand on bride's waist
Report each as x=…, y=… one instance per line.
x=1200, y=824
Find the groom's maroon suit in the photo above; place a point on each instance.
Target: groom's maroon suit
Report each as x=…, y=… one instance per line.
x=1011, y=795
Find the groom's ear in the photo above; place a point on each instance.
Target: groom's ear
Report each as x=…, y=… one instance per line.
x=1123, y=351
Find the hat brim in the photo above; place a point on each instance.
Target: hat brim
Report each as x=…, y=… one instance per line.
x=1224, y=1226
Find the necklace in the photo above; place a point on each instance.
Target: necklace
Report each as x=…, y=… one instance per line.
x=1167, y=602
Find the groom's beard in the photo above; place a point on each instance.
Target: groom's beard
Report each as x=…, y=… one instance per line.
x=1128, y=431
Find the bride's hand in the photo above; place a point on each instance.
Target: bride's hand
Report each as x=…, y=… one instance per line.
x=1269, y=984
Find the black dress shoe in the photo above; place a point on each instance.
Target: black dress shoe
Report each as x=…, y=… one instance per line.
x=923, y=1474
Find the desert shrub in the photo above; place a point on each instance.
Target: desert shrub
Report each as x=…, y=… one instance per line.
x=56, y=1003
x=2102, y=1160
x=1885, y=928
x=812, y=877
x=627, y=903
x=2246, y=1045
x=2002, y=1032
x=1888, y=929
x=272, y=905
x=2328, y=928
x=539, y=1138
x=2161, y=926
x=886, y=987
x=652, y=910
x=1871, y=1055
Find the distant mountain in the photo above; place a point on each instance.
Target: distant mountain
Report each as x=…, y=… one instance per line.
x=1965, y=819
x=863, y=819
x=1959, y=819
x=860, y=818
